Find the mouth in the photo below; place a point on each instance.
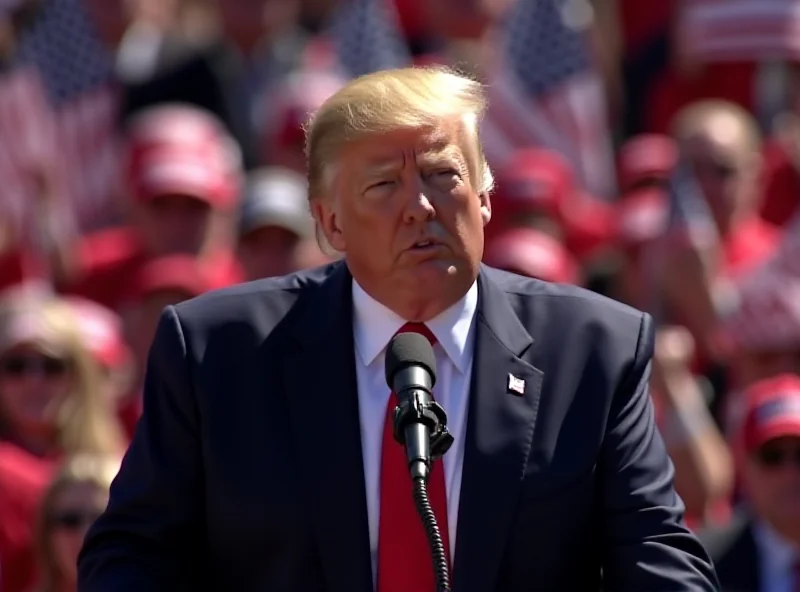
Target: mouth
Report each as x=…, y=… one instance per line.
x=425, y=245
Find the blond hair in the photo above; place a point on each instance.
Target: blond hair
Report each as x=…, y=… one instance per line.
x=701, y=115
x=97, y=470
x=84, y=419
x=389, y=100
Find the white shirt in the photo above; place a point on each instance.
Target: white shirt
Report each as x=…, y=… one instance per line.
x=776, y=558
x=374, y=325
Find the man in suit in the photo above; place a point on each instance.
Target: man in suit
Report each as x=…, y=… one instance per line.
x=261, y=461
x=759, y=551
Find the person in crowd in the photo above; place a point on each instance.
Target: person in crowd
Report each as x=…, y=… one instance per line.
x=538, y=189
x=219, y=55
x=646, y=161
x=532, y=253
x=723, y=237
x=74, y=499
x=51, y=404
x=184, y=177
x=558, y=478
x=722, y=145
x=764, y=336
x=642, y=220
x=287, y=107
x=704, y=468
x=162, y=282
x=104, y=335
x=759, y=550
x=276, y=230
x=532, y=192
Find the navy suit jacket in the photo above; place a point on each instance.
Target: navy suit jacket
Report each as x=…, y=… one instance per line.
x=245, y=471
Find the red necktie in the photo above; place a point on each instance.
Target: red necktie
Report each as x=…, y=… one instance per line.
x=404, y=558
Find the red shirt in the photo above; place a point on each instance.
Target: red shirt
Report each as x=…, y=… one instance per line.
x=781, y=185
x=750, y=244
x=109, y=258
x=23, y=478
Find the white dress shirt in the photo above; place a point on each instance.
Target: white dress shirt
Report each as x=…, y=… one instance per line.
x=374, y=325
x=776, y=559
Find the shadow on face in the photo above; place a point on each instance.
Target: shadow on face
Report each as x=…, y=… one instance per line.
x=175, y=224
x=772, y=481
x=33, y=382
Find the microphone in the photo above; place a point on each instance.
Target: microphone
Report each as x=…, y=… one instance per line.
x=420, y=424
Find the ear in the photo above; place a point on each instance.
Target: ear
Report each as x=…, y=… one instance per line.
x=325, y=213
x=486, y=207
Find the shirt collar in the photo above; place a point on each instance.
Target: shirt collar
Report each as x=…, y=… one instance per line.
x=374, y=325
x=777, y=553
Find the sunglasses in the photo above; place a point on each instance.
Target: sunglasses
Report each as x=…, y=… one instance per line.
x=73, y=519
x=17, y=366
x=772, y=457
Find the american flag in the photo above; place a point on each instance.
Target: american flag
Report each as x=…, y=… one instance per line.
x=366, y=36
x=75, y=70
x=728, y=30
x=544, y=91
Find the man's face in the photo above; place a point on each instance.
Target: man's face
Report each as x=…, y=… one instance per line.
x=405, y=212
x=772, y=479
x=726, y=169
x=174, y=224
x=268, y=252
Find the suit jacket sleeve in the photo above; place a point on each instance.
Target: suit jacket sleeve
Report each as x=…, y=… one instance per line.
x=151, y=535
x=646, y=544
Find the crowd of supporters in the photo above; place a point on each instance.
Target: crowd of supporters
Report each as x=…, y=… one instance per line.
x=152, y=150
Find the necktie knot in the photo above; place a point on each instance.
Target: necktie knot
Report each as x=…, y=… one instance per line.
x=420, y=328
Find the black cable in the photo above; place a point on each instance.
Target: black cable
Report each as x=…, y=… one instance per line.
x=438, y=553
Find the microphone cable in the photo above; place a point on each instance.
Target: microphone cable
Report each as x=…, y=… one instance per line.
x=435, y=541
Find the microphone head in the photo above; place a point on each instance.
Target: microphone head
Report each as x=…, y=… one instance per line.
x=409, y=349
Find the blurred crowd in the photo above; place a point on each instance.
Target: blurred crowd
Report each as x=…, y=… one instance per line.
x=152, y=150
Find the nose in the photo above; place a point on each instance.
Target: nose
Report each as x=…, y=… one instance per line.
x=419, y=207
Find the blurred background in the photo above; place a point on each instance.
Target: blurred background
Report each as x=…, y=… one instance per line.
x=151, y=150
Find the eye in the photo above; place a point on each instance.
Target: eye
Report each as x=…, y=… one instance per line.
x=384, y=183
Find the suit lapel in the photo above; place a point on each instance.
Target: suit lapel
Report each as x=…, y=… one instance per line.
x=321, y=388
x=499, y=434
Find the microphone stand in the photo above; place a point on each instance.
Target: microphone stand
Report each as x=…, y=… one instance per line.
x=418, y=412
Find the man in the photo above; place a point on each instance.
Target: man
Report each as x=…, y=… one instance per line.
x=276, y=230
x=760, y=551
x=261, y=461
x=722, y=144
x=183, y=175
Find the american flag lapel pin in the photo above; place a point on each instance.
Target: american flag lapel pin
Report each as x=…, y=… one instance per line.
x=516, y=386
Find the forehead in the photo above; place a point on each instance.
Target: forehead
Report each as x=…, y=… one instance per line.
x=443, y=142
x=721, y=133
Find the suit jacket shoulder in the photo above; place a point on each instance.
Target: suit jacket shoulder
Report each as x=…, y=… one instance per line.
x=569, y=311
x=264, y=303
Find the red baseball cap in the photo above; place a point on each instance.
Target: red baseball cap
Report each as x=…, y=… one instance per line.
x=181, y=149
x=180, y=273
x=532, y=253
x=644, y=157
x=102, y=332
x=534, y=181
x=773, y=410
x=590, y=225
